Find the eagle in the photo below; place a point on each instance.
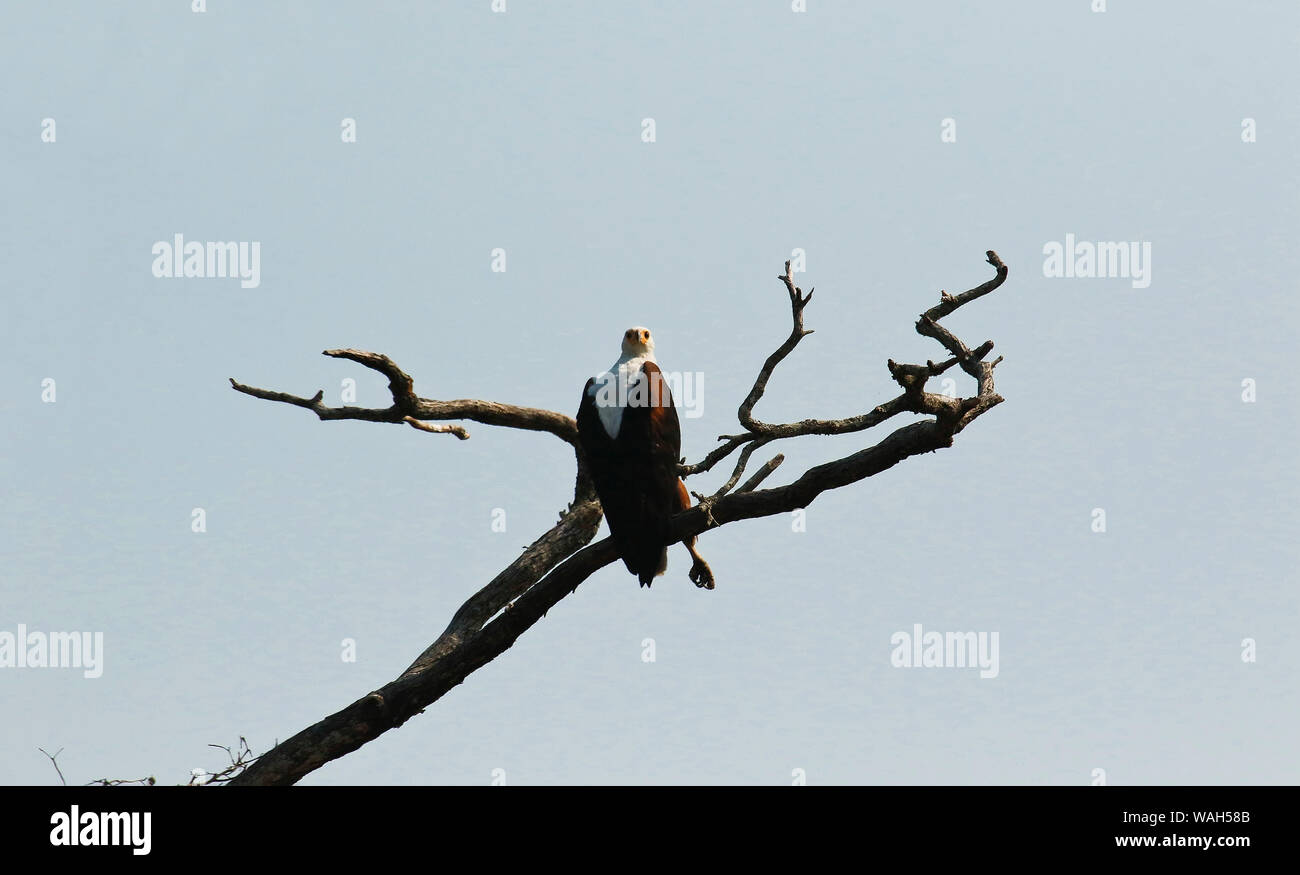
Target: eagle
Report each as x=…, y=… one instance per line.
x=632, y=441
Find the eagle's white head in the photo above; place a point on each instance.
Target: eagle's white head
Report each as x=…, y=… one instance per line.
x=637, y=342
x=611, y=388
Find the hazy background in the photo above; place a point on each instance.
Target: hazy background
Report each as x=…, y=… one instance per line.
x=775, y=130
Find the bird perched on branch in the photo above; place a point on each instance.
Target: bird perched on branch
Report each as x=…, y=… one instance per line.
x=632, y=440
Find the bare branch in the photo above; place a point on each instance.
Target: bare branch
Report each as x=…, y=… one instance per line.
x=798, y=300
x=120, y=782
x=762, y=473
x=409, y=406
x=949, y=303
x=54, y=761
x=740, y=466
x=400, y=383
x=457, y=430
x=913, y=400
x=240, y=759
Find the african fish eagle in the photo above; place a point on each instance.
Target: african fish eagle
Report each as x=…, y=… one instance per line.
x=632, y=440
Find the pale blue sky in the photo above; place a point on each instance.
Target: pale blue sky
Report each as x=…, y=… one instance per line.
x=775, y=130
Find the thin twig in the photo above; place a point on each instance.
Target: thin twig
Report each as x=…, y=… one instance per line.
x=54, y=760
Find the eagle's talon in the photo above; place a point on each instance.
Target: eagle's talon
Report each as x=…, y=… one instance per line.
x=701, y=576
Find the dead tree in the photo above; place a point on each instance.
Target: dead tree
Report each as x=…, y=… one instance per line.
x=557, y=562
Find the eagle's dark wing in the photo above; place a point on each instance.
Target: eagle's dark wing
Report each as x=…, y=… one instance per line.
x=635, y=472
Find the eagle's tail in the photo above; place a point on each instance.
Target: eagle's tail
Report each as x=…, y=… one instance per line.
x=646, y=576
